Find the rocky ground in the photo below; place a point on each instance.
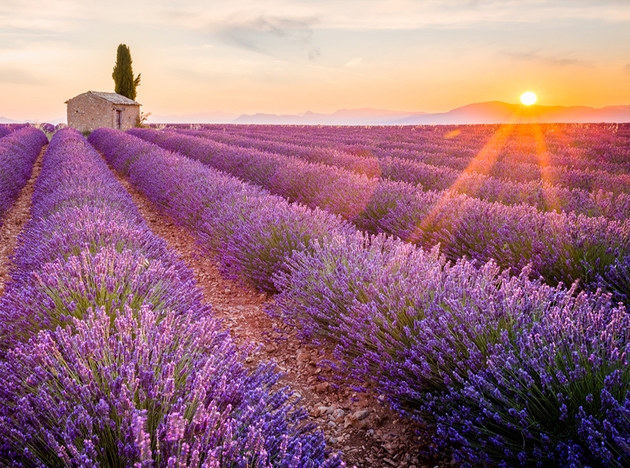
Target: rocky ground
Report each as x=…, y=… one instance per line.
x=14, y=221
x=359, y=424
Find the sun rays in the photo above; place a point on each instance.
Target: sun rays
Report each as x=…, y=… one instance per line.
x=528, y=98
x=486, y=159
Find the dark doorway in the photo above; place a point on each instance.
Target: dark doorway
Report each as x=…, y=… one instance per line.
x=118, y=119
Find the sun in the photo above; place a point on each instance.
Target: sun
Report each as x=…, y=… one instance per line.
x=528, y=98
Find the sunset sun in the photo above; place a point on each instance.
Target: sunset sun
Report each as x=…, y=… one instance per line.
x=528, y=98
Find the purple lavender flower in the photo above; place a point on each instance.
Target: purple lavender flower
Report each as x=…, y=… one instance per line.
x=109, y=356
x=508, y=370
x=18, y=151
x=146, y=389
x=560, y=247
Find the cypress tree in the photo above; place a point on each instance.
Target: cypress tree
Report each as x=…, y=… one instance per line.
x=124, y=81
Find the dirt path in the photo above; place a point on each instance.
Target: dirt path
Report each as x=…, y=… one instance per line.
x=369, y=434
x=15, y=220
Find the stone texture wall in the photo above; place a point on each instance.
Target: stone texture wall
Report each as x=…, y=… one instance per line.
x=87, y=112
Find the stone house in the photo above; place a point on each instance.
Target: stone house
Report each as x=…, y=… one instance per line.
x=92, y=110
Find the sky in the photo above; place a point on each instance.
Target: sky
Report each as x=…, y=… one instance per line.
x=292, y=56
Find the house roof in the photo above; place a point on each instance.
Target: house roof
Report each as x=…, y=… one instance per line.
x=114, y=98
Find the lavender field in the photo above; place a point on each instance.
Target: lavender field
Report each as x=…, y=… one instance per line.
x=476, y=277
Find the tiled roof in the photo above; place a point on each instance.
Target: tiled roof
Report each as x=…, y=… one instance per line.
x=115, y=98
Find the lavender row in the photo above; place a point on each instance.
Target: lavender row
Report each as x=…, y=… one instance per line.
x=508, y=371
x=501, y=155
x=590, y=180
x=495, y=363
x=560, y=247
x=542, y=196
x=583, y=146
x=196, y=195
x=493, y=154
x=110, y=357
x=326, y=155
x=18, y=152
x=10, y=128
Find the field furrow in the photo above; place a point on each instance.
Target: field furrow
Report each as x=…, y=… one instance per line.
x=520, y=152
x=18, y=152
x=364, y=443
x=14, y=221
x=559, y=247
x=544, y=196
x=493, y=362
x=110, y=357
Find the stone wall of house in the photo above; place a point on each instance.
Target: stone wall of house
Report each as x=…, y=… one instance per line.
x=130, y=115
x=87, y=112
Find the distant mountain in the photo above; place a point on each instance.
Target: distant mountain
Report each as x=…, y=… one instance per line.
x=501, y=112
x=59, y=120
x=340, y=117
x=274, y=119
x=200, y=117
x=481, y=113
x=4, y=120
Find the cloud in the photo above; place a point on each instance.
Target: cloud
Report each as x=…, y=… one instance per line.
x=552, y=60
x=276, y=36
x=355, y=62
x=24, y=38
x=348, y=14
x=314, y=54
x=176, y=15
x=18, y=76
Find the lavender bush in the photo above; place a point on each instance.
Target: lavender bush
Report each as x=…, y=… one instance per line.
x=252, y=231
x=47, y=128
x=507, y=370
x=560, y=247
x=146, y=390
x=108, y=278
x=584, y=156
x=18, y=152
x=557, y=391
x=81, y=229
x=541, y=195
x=109, y=356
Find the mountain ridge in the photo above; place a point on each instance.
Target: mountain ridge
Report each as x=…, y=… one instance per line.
x=495, y=112
x=491, y=112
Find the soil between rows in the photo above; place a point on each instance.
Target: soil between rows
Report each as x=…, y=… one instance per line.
x=358, y=424
x=14, y=222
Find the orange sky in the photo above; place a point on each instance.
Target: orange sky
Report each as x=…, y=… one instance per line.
x=286, y=56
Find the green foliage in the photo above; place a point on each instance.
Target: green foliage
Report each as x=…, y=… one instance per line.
x=142, y=118
x=124, y=81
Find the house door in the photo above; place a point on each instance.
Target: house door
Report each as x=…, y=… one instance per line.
x=118, y=119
